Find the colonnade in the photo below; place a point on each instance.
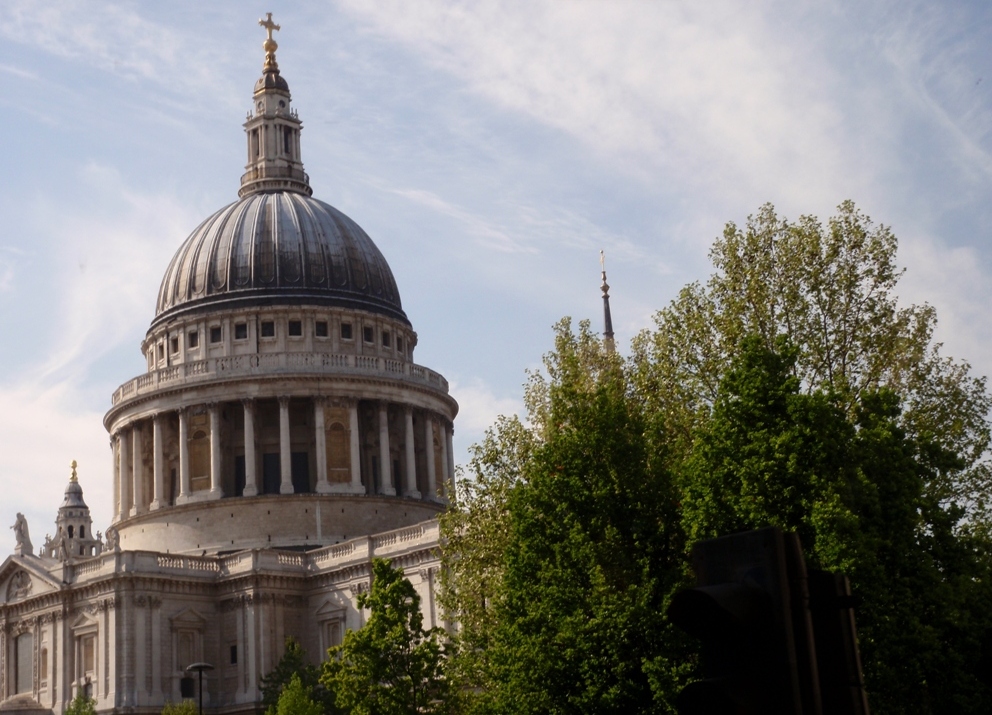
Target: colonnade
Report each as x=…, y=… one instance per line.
x=127, y=440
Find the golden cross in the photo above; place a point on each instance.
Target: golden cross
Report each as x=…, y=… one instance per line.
x=269, y=25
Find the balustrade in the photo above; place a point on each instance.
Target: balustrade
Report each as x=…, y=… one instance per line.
x=247, y=365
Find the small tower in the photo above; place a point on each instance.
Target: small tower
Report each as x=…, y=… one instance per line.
x=74, y=537
x=273, y=131
x=607, y=319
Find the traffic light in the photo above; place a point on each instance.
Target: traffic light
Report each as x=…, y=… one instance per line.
x=776, y=639
x=757, y=654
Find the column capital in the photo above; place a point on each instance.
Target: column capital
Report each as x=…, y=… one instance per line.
x=283, y=400
x=248, y=403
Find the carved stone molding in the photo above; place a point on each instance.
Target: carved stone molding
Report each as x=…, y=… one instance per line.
x=20, y=586
x=359, y=588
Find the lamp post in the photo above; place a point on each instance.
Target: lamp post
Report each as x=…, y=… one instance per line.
x=199, y=668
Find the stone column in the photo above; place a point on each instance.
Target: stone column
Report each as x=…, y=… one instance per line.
x=385, y=466
x=323, y=486
x=251, y=478
x=411, y=456
x=445, y=451
x=184, y=490
x=429, y=450
x=216, y=490
x=123, y=441
x=356, y=449
x=158, y=464
x=285, y=451
x=138, y=473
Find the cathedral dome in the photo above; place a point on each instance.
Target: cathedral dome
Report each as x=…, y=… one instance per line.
x=278, y=248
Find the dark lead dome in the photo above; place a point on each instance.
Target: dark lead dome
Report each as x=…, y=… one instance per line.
x=278, y=248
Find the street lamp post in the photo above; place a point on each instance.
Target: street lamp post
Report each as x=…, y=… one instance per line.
x=199, y=668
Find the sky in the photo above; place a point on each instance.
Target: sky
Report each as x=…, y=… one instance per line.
x=490, y=149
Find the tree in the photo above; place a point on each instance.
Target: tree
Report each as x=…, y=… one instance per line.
x=855, y=492
x=81, y=705
x=565, y=614
x=293, y=664
x=392, y=665
x=183, y=707
x=831, y=291
x=295, y=699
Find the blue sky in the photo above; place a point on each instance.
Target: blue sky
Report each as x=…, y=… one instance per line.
x=491, y=149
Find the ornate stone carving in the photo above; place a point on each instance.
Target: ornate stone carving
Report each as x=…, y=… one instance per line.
x=20, y=527
x=358, y=588
x=20, y=586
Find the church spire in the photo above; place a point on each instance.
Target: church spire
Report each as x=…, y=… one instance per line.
x=607, y=319
x=273, y=131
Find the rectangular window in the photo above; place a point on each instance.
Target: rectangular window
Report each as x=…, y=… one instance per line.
x=192, y=339
x=23, y=663
x=399, y=344
x=161, y=351
x=174, y=345
x=369, y=334
x=234, y=655
x=295, y=328
x=216, y=334
x=320, y=329
x=241, y=331
x=385, y=339
x=89, y=655
x=346, y=331
x=268, y=329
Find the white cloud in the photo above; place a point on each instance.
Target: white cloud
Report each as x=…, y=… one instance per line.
x=108, y=264
x=478, y=408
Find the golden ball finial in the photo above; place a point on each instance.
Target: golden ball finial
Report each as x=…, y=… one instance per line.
x=73, y=477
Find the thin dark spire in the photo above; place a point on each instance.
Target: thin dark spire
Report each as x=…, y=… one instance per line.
x=607, y=318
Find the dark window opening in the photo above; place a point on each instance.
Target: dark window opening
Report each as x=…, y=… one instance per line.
x=216, y=335
x=296, y=328
x=239, y=476
x=268, y=329
x=161, y=351
x=369, y=334
x=174, y=344
x=286, y=134
x=70, y=531
x=301, y=472
x=234, y=655
x=82, y=532
x=320, y=328
x=193, y=339
x=399, y=344
x=385, y=339
x=241, y=331
x=346, y=331
x=270, y=473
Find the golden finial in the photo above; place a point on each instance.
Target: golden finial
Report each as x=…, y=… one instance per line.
x=269, y=45
x=73, y=477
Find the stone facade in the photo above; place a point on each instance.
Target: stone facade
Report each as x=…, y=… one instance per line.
x=281, y=438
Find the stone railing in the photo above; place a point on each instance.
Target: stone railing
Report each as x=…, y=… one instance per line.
x=275, y=364
x=359, y=550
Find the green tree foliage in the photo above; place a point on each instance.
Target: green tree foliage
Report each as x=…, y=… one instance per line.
x=293, y=664
x=295, y=699
x=81, y=705
x=831, y=291
x=790, y=389
x=856, y=494
x=392, y=665
x=183, y=707
x=567, y=614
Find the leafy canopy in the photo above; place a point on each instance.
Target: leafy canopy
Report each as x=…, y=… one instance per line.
x=392, y=665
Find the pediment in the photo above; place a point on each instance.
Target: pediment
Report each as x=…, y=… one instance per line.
x=21, y=578
x=331, y=608
x=188, y=618
x=83, y=621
